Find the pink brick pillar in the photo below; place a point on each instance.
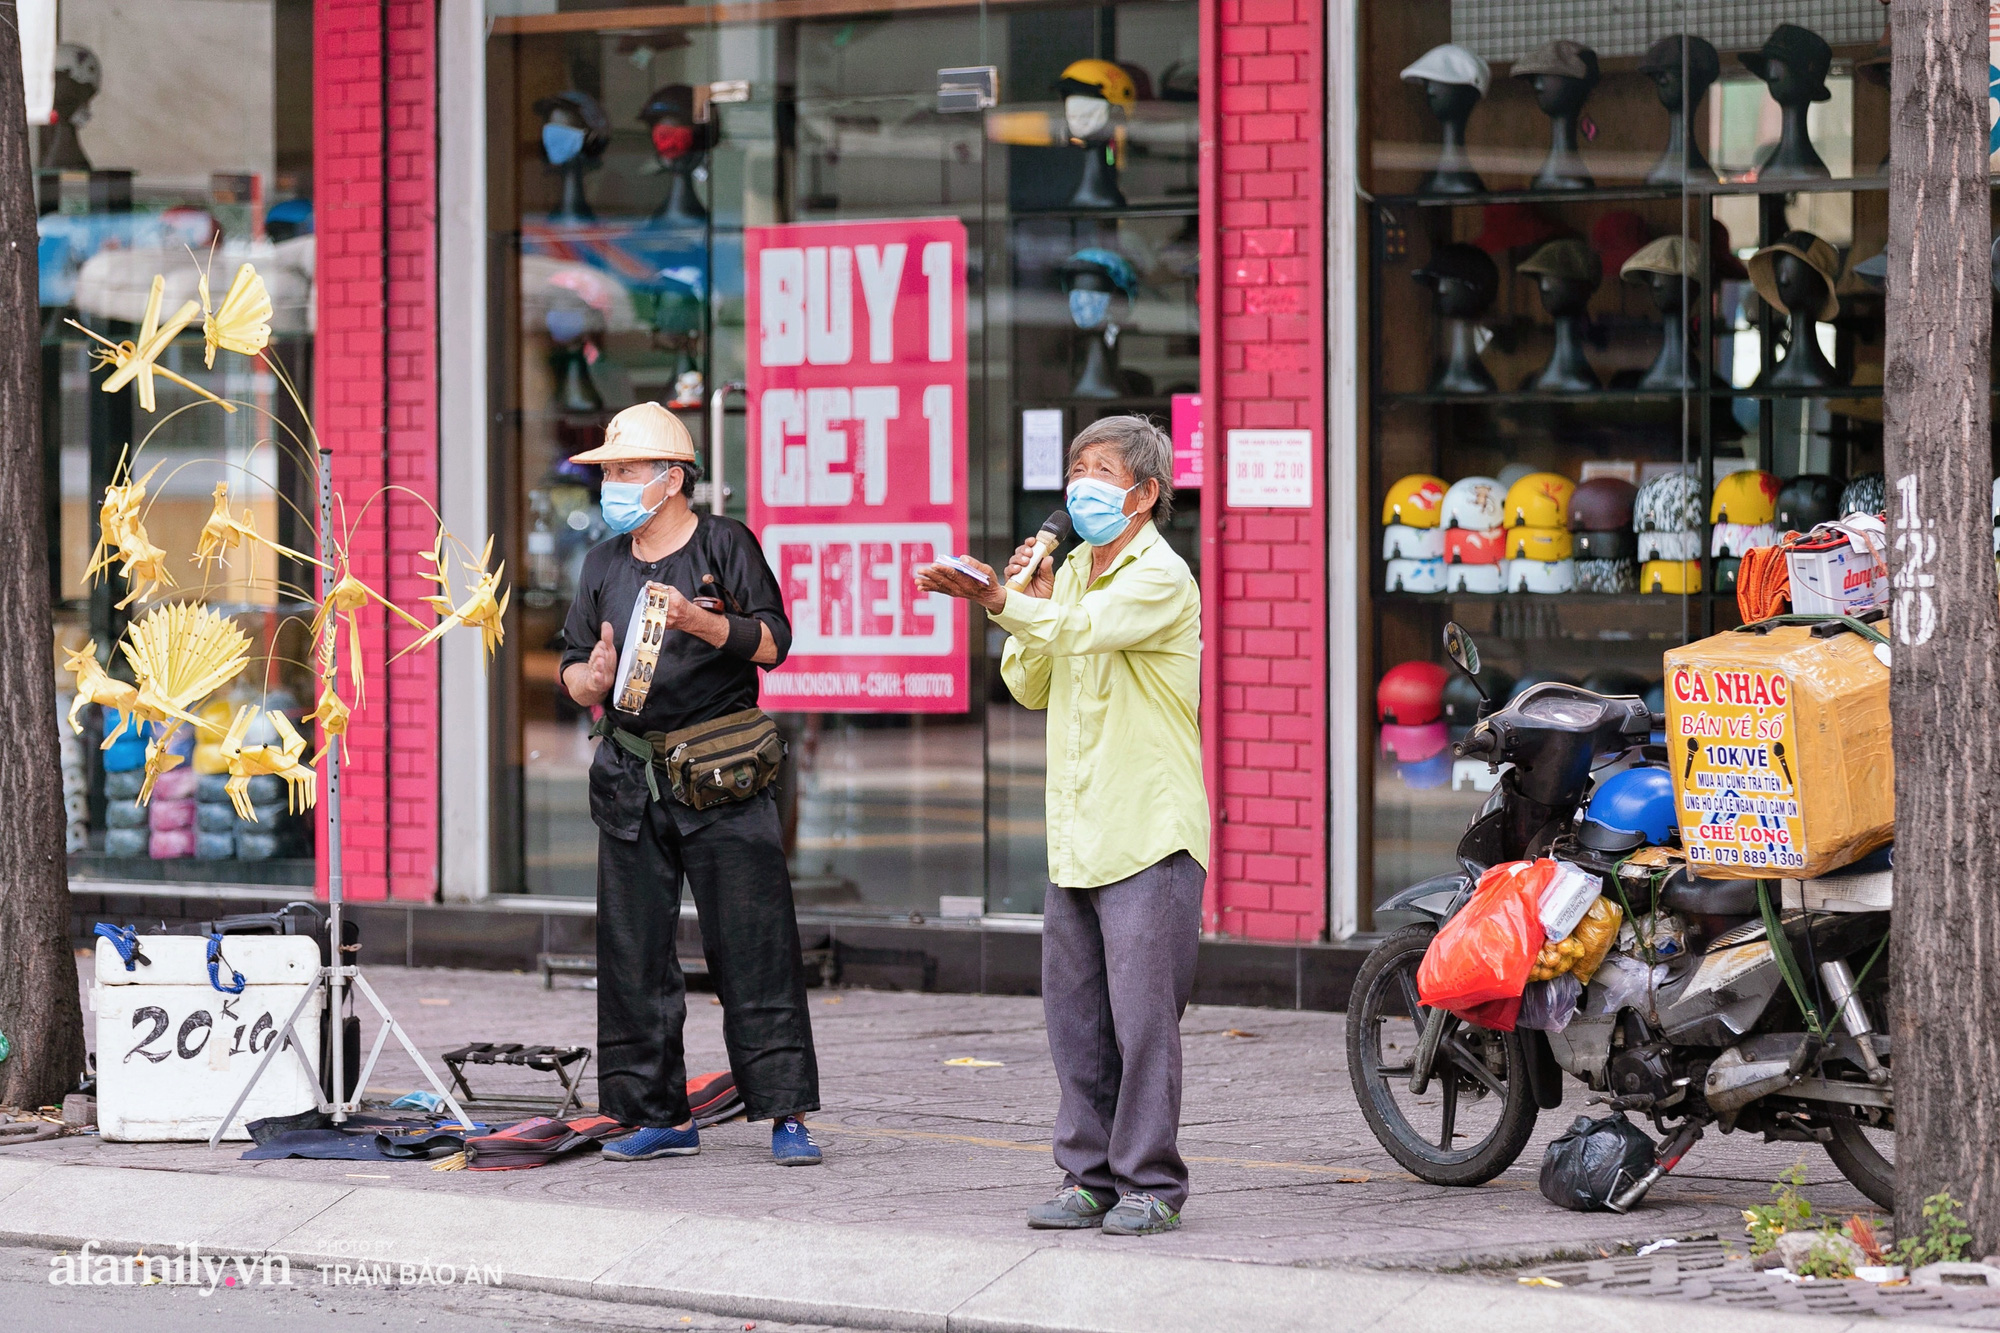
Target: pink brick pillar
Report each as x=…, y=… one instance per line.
x=1264, y=145
x=375, y=215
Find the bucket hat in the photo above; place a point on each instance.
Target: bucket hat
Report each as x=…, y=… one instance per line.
x=1821, y=255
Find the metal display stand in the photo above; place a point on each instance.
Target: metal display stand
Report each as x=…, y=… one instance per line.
x=339, y=973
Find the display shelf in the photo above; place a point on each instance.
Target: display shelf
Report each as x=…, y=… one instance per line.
x=1521, y=397
x=1186, y=210
x=1560, y=598
x=1639, y=193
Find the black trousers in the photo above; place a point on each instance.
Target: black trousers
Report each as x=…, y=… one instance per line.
x=743, y=895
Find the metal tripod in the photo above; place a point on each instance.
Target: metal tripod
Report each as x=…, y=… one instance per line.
x=335, y=977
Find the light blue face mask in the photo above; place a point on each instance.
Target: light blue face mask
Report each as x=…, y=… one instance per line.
x=623, y=504
x=1088, y=309
x=561, y=142
x=1097, y=508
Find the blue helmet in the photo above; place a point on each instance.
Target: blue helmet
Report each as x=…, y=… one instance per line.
x=1631, y=809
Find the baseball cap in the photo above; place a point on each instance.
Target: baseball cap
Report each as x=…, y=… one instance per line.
x=1450, y=63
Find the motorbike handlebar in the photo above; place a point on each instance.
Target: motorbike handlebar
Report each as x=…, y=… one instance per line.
x=1486, y=742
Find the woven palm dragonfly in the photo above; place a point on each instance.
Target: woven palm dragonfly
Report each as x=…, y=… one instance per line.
x=183, y=652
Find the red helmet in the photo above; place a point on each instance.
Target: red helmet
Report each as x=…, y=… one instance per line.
x=1411, y=694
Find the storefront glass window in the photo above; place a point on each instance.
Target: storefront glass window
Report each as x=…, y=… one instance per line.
x=135, y=177
x=633, y=167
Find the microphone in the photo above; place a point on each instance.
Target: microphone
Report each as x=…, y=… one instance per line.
x=1055, y=531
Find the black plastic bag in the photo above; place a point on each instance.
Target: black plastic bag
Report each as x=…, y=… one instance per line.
x=1592, y=1163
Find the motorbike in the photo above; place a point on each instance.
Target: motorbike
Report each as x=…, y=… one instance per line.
x=1764, y=1014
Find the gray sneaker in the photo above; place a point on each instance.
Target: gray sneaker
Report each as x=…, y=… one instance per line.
x=1140, y=1214
x=1072, y=1210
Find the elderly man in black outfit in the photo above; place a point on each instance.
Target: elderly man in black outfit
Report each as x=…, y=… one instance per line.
x=692, y=593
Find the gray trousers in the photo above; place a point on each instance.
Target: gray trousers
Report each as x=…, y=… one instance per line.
x=1117, y=968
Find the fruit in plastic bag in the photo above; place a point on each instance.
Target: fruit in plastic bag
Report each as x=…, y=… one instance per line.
x=1486, y=951
x=1594, y=1161
x=1549, y=1005
x=1597, y=932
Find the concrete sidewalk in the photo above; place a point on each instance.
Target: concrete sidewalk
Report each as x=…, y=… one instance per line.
x=929, y=1168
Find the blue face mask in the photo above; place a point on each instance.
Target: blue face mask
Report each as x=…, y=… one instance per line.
x=1097, y=508
x=623, y=504
x=561, y=142
x=1088, y=309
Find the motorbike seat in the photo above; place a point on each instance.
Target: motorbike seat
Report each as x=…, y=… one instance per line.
x=1691, y=895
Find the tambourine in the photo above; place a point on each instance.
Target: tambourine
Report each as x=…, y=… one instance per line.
x=644, y=634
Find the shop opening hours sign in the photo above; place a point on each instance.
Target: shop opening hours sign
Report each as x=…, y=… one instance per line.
x=855, y=341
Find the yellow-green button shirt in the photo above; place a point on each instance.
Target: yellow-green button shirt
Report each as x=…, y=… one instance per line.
x=1117, y=664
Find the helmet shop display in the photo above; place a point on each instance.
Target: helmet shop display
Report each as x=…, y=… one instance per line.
x=1746, y=497
x=1726, y=571
x=1670, y=502
x=1629, y=810
x=1806, y=501
x=1607, y=576
x=1668, y=546
x=1733, y=539
x=1474, y=578
x=1400, y=541
x=1415, y=501
x=1538, y=544
x=1866, y=494
x=1602, y=504
x=1411, y=693
x=1100, y=78
x=1427, y=774
x=1539, y=500
x=1475, y=546
x=1478, y=503
x=1414, y=576
x=1678, y=577
x=1542, y=576
x=1617, y=544
x=1413, y=745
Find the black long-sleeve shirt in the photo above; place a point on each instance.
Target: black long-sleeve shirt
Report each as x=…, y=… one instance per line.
x=694, y=682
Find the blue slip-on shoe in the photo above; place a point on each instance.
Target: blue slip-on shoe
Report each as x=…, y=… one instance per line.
x=654, y=1141
x=792, y=1144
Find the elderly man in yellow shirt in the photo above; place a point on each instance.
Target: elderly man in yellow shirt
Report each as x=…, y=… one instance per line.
x=1110, y=645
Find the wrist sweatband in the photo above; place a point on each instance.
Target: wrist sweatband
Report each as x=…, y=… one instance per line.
x=746, y=636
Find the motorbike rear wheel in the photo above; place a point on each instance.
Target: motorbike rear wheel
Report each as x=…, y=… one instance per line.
x=1857, y=1151
x=1479, y=1080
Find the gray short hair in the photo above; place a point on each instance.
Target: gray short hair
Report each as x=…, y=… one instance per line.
x=1144, y=450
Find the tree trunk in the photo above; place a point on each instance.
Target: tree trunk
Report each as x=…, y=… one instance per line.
x=39, y=1011
x=1945, y=679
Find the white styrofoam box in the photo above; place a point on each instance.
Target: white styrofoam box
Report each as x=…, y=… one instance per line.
x=1566, y=898
x=173, y=1052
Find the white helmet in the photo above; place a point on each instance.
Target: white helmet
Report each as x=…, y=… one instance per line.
x=1541, y=575
x=1475, y=502
x=1415, y=576
x=1737, y=538
x=1607, y=576
x=1669, y=545
x=1670, y=502
x=1472, y=578
x=1400, y=541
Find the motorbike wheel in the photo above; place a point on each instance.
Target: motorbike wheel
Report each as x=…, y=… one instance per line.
x=1857, y=1151
x=1476, y=1115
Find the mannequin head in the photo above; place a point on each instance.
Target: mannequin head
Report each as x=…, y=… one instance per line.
x=1564, y=297
x=669, y=117
x=1464, y=278
x=1559, y=95
x=1667, y=291
x=1450, y=102
x=1562, y=74
x=1800, y=285
x=78, y=77
x=1793, y=63
x=1682, y=70
x=1566, y=272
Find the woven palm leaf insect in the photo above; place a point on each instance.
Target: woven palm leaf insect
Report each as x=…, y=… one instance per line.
x=140, y=360
x=343, y=600
x=224, y=531
x=243, y=323
x=122, y=540
x=159, y=759
x=280, y=760
x=484, y=607
x=96, y=686
x=332, y=714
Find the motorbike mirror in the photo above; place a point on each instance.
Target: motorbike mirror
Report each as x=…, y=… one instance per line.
x=1462, y=650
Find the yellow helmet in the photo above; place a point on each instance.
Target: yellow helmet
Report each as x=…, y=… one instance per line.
x=1106, y=78
x=1749, y=497
x=1670, y=576
x=1540, y=500
x=1416, y=501
x=1538, y=544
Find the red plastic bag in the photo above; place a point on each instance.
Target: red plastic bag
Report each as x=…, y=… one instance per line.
x=1484, y=954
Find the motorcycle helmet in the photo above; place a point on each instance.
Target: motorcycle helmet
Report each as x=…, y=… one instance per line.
x=1461, y=697
x=1748, y=496
x=1541, y=575
x=1670, y=502
x=1475, y=546
x=1099, y=78
x=1414, y=576
x=1410, y=694
x=1630, y=809
x=1867, y=494
x=1538, y=544
x=1512, y=473
x=1400, y=541
x=1475, y=502
x=1534, y=678
x=1427, y=774
x=1671, y=576
x=1616, y=682
x=1807, y=501
x=1669, y=545
x=1725, y=573
x=1540, y=500
x=1618, y=544
x=1736, y=538
x=1602, y=504
x=1414, y=501
x=1412, y=745
x=1607, y=576
x=1473, y=578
